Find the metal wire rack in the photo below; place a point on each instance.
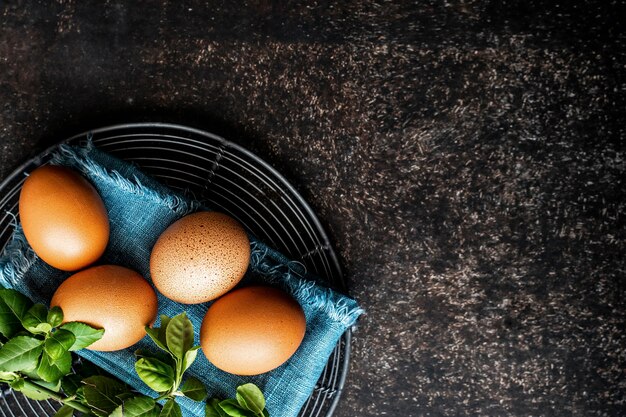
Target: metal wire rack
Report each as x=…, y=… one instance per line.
x=228, y=178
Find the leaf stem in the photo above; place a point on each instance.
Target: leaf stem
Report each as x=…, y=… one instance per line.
x=58, y=397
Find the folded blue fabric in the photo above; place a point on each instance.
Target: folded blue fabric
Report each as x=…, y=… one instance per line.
x=140, y=209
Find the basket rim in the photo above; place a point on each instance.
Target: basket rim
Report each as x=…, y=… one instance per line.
x=347, y=336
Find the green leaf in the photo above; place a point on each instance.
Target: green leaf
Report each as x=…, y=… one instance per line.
x=99, y=413
x=266, y=413
x=29, y=390
x=118, y=412
x=52, y=370
x=65, y=411
x=16, y=302
x=36, y=390
x=70, y=384
x=125, y=396
x=8, y=376
x=165, y=321
x=137, y=407
x=80, y=394
x=154, y=335
x=84, y=333
x=141, y=407
x=13, y=307
x=194, y=389
x=52, y=386
x=250, y=397
x=17, y=384
x=41, y=328
x=157, y=375
x=87, y=369
x=100, y=393
x=213, y=409
x=171, y=409
x=190, y=357
x=209, y=411
x=58, y=343
x=55, y=316
x=9, y=322
x=20, y=353
x=232, y=408
x=179, y=335
x=160, y=355
x=35, y=319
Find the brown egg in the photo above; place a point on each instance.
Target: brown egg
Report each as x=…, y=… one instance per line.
x=252, y=330
x=63, y=218
x=112, y=297
x=200, y=257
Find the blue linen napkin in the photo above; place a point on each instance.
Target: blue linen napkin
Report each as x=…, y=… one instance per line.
x=140, y=209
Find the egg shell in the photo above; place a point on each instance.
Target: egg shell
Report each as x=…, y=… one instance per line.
x=63, y=218
x=112, y=297
x=252, y=330
x=200, y=257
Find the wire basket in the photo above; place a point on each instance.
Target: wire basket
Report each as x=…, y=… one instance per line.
x=225, y=177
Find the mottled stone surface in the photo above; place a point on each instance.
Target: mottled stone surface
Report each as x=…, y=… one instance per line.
x=467, y=158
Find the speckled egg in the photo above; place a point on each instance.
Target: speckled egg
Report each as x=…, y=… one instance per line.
x=200, y=257
x=112, y=297
x=63, y=218
x=252, y=330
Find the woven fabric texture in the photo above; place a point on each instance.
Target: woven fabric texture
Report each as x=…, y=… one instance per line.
x=140, y=209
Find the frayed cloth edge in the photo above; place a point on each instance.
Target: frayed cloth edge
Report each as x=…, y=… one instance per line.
x=78, y=158
x=338, y=307
x=17, y=258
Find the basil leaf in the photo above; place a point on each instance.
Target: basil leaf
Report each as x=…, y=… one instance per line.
x=20, y=353
x=154, y=335
x=85, y=369
x=190, y=357
x=213, y=409
x=80, y=394
x=179, y=335
x=16, y=302
x=157, y=375
x=171, y=409
x=52, y=370
x=250, y=397
x=35, y=319
x=70, y=384
x=35, y=390
x=65, y=411
x=209, y=411
x=118, y=412
x=52, y=386
x=29, y=390
x=100, y=393
x=140, y=407
x=165, y=321
x=84, y=333
x=31, y=373
x=194, y=389
x=58, y=343
x=17, y=384
x=160, y=355
x=125, y=396
x=9, y=322
x=99, y=413
x=55, y=316
x=8, y=376
x=232, y=408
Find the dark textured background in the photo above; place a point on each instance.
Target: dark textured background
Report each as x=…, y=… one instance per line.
x=467, y=158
